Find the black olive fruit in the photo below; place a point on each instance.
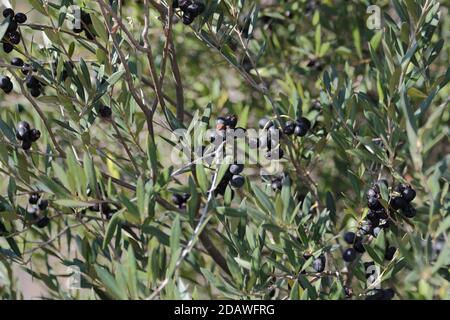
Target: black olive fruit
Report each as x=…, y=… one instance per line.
x=34, y=198
x=237, y=181
x=390, y=252
x=398, y=203
x=17, y=62
x=8, y=12
x=289, y=128
x=23, y=130
x=349, y=237
x=35, y=134
x=105, y=111
x=349, y=255
x=43, y=222
x=43, y=204
x=236, y=168
x=20, y=17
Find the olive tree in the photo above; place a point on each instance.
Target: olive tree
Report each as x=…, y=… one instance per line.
x=121, y=121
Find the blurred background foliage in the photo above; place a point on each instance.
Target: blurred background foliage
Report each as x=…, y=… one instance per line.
x=377, y=100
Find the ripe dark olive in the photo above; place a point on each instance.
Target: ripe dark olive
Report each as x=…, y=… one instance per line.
x=5, y=82
x=185, y=196
x=349, y=237
x=373, y=217
x=23, y=131
x=382, y=213
x=374, y=204
x=23, y=124
x=177, y=199
x=8, y=88
x=35, y=134
x=43, y=204
x=236, y=168
x=22, y=134
x=20, y=17
x=183, y=4
x=289, y=128
x=17, y=62
x=8, y=47
x=104, y=111
x=399, y=188
x=86, y=18
x=43, y=222
x=349, y=255
x=31, y=82
x=34, y=198
x=195, y=8
x=358, y=246
x=237, y=181
x=319, y=264
x=26, y=145
x=231, y=121
x=8, y=12
x=188, y=18
x=300, y=131
x=409, y=211
x=304, y=122
x=389, y=254
x=398, y=203
x=35, y=92
x=26, y=68
x=408, y=194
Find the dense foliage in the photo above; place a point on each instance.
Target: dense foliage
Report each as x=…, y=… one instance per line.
x=110, y=112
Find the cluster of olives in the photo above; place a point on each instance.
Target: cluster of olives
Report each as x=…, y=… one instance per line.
x=299, y=128
x=405, y=194
x=37, y=209
x=12, y=35
x=226, y=125
x=85, y=25
x=180, y=200
x=191, y=9
x=33, y=83
x=232, y=177
x=269, y=141
x=26, y=134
